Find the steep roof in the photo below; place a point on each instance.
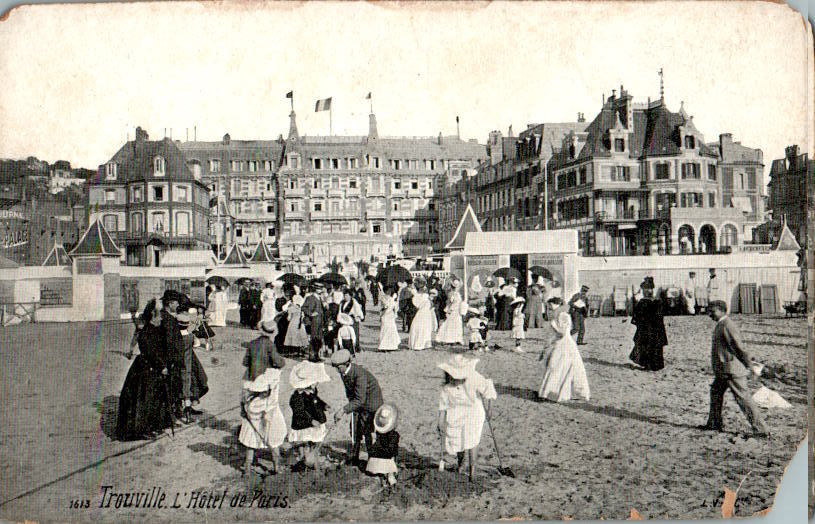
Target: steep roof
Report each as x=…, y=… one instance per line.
x=7, y=263
x=468, y=224
x=235, y=257
x=57, y=257
x=261, y=254
x=96, y=241
x=135, y=162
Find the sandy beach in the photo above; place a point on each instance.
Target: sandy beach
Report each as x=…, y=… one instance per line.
x=634, y=445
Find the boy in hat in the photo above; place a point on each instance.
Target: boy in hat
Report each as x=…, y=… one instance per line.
x=381, y=461
x=579, y=310
x=308, y=411
x=730, y=363
x=346, y=334
x=364, y=399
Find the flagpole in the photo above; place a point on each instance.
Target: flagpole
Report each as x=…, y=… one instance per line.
x=330, y=121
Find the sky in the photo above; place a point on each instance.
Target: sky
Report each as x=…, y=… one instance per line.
x=78, y=79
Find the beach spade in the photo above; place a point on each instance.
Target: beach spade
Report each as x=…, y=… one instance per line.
x=503, y=470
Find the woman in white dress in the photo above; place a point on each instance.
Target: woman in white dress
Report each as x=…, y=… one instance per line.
x=218, y=307
x=389, y=339
x=267, y=310
x=565, y=376
x=451, y=331
x=296, y=336
x=421, y=329
x=461, y=409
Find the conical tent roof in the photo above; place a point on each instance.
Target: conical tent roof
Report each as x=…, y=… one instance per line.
x=235, y=257
x=468, y=224
x=96, y=241
x=787, y=241
x=57, y=257
x=262, y=253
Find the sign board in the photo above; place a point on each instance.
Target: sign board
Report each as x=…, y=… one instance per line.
x=14, y=236
x=556, y=265
x=56, y=292
x=479, y=269
x=130, y=295
x=89, y=266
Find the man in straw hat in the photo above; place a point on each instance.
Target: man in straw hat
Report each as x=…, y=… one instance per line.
x=364, y=398
x=730, y=369
x=579, y=310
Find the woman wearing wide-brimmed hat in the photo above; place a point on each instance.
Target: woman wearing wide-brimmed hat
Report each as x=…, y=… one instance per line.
x=421, y=328
x=389, y=338
x=650, y=338
x=565, y=375
x=461, y=408
x=296, y=336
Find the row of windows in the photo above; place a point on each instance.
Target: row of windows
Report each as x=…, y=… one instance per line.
x=494, y=201
x=353, y=183
x=158, y=194
x=238, y=166
x=156, y=223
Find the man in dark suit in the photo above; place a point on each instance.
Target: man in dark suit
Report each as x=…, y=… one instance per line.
x=244, y=302
x=364, y=398
x=314, y=319
x=731, y=366
x=579, y=310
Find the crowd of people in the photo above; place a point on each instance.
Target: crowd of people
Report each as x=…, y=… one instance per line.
x=319, y=322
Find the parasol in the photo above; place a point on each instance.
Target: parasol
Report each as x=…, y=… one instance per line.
x=293, y=279
x=335, y=279
x=540, y=271
x=507, y=273
x=218, y=281
x=393, y=275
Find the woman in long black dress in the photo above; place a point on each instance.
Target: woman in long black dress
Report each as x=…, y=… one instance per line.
x=144, y=407
x=650, y=337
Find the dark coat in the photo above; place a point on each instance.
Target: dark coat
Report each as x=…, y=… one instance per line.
x=306, y=407
x=313, y=316
x=362, y=390
x=650, y=337
x=386, y=445
x=728, y=356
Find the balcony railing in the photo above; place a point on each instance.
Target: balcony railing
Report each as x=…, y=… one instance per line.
x=427, y=213
x=603, y=216
x=296, y=192
x=374, y=213
x=654, y=214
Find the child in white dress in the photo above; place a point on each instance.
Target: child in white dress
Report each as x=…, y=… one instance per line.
x=518, y=319
x=461, y=409
x=263, y=423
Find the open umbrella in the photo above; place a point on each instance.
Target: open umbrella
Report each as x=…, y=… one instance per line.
x=293, y=279
x=507, y=273
x=393, y=275
x=241, y=281
x=335, y=279
x=218, y=281
x=541, y=272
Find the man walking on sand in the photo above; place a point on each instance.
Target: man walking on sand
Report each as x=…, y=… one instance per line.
x=730, y=367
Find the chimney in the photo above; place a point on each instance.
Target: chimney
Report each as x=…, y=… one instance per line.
x=226, y=139
x=373, y=133
x=141, y=135
x=439, y=138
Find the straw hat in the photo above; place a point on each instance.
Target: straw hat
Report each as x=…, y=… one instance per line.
x=518, y=300
x=386, y=418
x=345, y=319
x=183, y=319
x=305, y=374
x=455, y=283
x=563, y=323
x=433, y=292
x=458, y=366
x=269, y=327
x=297, y=300
x=500, y=281
x=342, y=356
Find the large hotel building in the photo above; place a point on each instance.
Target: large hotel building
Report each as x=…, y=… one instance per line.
x=316, y=199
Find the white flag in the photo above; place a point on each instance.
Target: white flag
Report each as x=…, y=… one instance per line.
x=323, y=105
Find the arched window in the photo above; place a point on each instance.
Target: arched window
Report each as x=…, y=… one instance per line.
x=730, y=236
x=158, y=166
x=690, y=142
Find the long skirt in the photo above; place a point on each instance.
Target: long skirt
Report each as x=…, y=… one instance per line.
x=649, y=357
x=144, y=403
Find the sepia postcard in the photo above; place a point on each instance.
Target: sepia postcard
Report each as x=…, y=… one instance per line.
x=414, y=261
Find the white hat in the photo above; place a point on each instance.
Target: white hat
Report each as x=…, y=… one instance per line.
x=345, y=319
x=342, y=356
x=305, y=374
x=458, y=366
x=269, y=327
x=518, y=300
x=385, y=418
x=563, y=323
x=455, y=283
x=297, y=300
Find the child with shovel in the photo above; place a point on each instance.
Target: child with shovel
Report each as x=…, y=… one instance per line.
x=461, y=409
x=308, y=413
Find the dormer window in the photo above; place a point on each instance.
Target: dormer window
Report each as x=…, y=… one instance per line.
x=110, y=171
x=196, y=170
x=158, y=166
x=690, y=142
x=571, y=151
x=619, y=145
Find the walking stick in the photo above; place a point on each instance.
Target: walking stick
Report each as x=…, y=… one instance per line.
x=315, y=453
x=266, y=442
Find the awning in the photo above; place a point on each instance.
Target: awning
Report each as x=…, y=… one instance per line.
x=742, y=203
